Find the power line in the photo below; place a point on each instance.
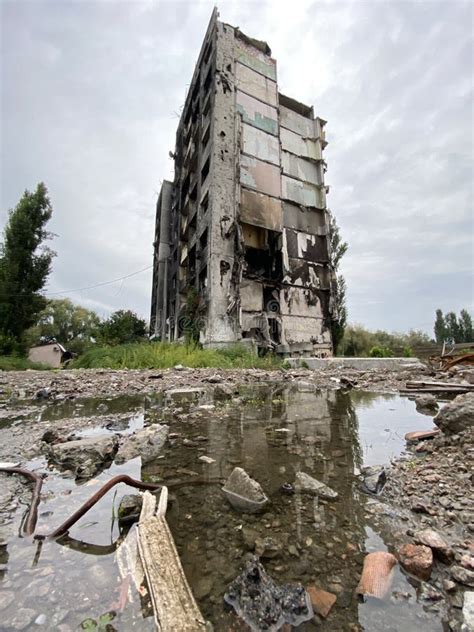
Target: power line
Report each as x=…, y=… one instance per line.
x=90, y=287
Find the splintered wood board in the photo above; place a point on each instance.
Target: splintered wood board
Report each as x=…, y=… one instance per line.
x=173, y=602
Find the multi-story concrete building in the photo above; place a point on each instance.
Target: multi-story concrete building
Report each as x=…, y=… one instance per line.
x=241, y=238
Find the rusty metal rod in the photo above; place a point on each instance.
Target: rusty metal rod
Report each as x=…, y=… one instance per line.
x=30, y=522
x=67, y=524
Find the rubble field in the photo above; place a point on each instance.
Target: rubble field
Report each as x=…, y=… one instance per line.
x=297, y=475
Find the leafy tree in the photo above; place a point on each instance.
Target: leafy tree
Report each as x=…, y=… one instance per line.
x=25, y=263
x=358, y=341
x=337, y=249
x=452, y=327
x=440, y=327
x=380, y=352
x=465, y=326
x=122, y=327
x=72, y=325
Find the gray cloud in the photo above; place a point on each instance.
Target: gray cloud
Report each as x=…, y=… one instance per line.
x=91, y=97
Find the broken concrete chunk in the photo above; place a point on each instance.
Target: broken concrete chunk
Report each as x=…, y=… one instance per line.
x=426, y=404
x=214, y=379
x=374, y=478
x=85, y=457
x=222, y=392
x=243, y=492
x=309, y=485
x=265, y=605
x=176, y=395
x=458, y=415
x=129, y=508
x=267, y=547
x=416, y=559
x=305, y=387
x=462, y=575
x=147, y=443
x=377, y=574
x=321, y=600
x=438, y=544
x=468, y=610
x=206, y=459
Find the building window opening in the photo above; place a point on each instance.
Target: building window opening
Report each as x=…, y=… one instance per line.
x=205, y=170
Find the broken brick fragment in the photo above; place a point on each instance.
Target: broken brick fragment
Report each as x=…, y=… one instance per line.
x=321, y=600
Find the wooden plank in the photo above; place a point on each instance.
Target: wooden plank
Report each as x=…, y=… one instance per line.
x=173, y=602
x=439, y=386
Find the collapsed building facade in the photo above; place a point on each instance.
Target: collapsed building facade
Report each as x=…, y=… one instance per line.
x=241, y=235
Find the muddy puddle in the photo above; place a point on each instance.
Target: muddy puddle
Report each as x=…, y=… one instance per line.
x=272, y=432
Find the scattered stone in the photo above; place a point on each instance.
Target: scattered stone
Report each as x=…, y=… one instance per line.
x=419, y=505
x=426, y=404
x=130, y=508
x=214, y=379
x=421, y=435
x=53, y=436
x=468, y=610
x=375, y=478
x=6, y=598
x=206, y=459
x=243, y=492
x=287, y=488
x=467, y=561
x=222, y=392
x=321, y=600
x=85, y=457
x=377, y=574
x=429, y=593
x=265, y=605
x=43, y=393
x=347, y=383
x=22, y=619
x=448, y=585
x=462, y=575
x=249, y=537
x=147, y=443
x=40, y=619
x=176, y=395
x=456, y=416
x=203, y=587
x=309, y=485
x=416, y=559
x=267, y=548
x=441, y=549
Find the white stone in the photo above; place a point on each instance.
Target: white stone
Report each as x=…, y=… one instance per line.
x=468, y=610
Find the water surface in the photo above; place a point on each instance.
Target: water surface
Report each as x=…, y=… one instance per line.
x=273, y=432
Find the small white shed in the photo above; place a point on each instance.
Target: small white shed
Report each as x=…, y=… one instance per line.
x=50, y=354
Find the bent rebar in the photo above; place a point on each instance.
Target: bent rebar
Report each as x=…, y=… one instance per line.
x=122, y=478
x=29, y=525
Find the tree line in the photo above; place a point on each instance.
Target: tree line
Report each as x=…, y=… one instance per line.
x=27, y=317
x=449, y=328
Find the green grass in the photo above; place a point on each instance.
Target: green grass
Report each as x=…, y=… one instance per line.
x=14, y=363
x=164, y=355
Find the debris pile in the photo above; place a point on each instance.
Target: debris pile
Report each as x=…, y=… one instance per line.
x=265, y=605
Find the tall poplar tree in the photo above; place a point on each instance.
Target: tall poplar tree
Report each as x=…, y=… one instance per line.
x=25, y=263
x=337, y=249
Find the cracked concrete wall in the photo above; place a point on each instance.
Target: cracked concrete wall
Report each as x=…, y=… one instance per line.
x=222, y=322
x=249, y=213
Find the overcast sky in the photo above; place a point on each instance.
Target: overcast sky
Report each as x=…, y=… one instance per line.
x=91, y=93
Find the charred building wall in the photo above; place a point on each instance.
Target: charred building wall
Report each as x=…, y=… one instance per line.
x=241, y=239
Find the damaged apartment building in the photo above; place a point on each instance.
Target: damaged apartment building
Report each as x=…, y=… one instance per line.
x=241, y=234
